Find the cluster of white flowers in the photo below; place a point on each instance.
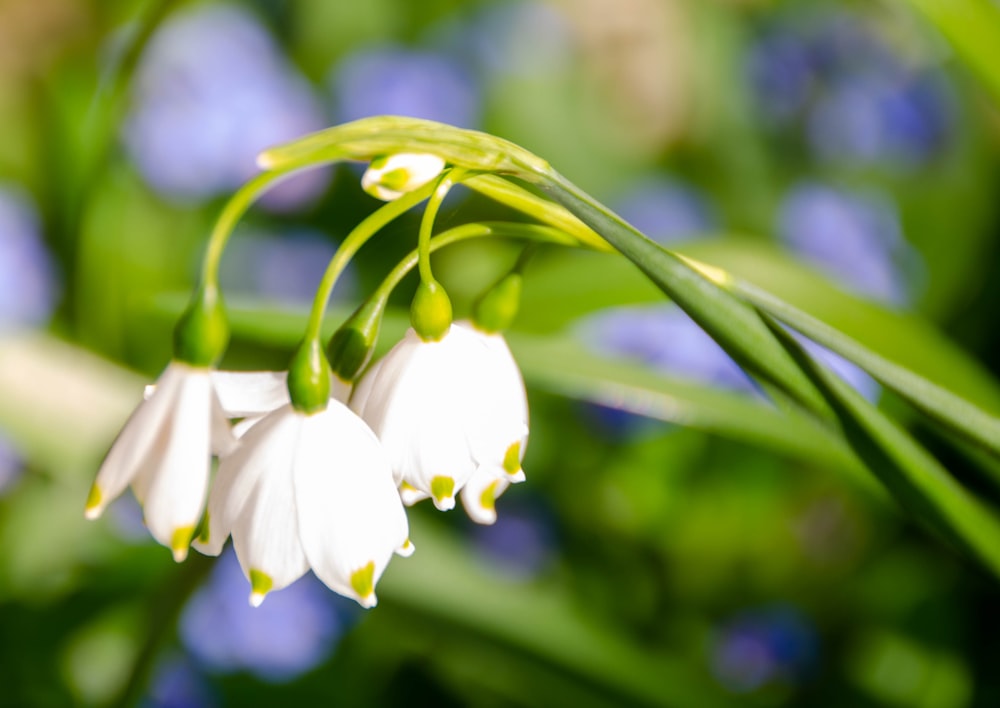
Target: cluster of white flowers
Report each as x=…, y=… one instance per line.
x=322, y=490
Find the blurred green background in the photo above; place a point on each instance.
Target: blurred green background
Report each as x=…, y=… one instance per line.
x=678, y=542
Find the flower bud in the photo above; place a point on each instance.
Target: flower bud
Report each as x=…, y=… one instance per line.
x=309, y=378
x=430, y=311
x=391, y=176
x=202, y=333
x=350, y=348
x=496, y=309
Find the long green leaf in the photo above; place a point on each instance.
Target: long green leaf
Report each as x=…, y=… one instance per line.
x=936, y=402
x=733, y=323
x=910, y=473
x=973, y=29
x=442, y=580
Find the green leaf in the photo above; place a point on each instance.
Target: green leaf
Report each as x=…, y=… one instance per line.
x=442, y=580
x=730, y=321
x=906, y=339
x=936, y=402
x=910, y=473
x=972, y=27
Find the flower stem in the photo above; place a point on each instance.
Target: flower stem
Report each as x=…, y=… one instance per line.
x=232, y=212
x=444, y=185
x=355, y=240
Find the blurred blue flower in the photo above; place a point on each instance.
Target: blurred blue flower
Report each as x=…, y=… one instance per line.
x=291, y=633
x=522, y=541
x=176, y=683
x=905, y=120
x=855, y=237
x=28, y=289
x=663, y=337
x=521, y=38
x=666, y=210
x=854, y=98
x=394, y=80
x=213, y=90
x=764, y=647
x=285, y=267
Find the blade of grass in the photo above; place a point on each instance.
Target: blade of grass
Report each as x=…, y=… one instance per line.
x=916, y=479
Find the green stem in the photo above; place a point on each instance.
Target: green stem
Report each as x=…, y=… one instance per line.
x=448, y=180
x=465, y=232
x=354, y=241
x=729, y=320
x=234, y=210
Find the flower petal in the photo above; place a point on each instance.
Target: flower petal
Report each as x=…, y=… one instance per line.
x=247, y=393
x=135, y=441
x=480, y=494
x=265, y=446
x=350, y=517
x=266, y=532
x=174, y=480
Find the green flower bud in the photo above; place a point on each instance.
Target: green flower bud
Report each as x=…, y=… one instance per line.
x=309, y=378
x=430, y=311
x=202, y=333
x=351, y=347
x=496, y=309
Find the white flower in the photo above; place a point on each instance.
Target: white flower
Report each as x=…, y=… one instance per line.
x=388, y=178
x=308, y=491
x=445, y=409
x=164, y=451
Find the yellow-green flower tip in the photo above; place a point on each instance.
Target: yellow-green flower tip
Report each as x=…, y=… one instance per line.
x=487, y=500
x=443, y=492
x=203, y=531
x=181, y=541
x=512, y=459
x=363, y=583
x=406, y=550
x=94, y=499
x=260, y=585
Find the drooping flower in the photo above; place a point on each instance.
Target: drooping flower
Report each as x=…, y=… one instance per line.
x=308, y=491
x=390, y=177
x=164, y=452
x=445, y=410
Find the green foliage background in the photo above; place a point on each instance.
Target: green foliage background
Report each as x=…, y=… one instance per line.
x=668, y=540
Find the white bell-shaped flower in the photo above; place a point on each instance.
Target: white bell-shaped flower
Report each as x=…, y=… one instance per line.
x=164, y=451
x=308, y=491
x=390, y=177
x=443, y=409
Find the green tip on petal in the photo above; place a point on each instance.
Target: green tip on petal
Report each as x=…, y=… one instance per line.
x=260, y=585
x=203, y=530
x=94, y=499
x=487, y=500
x=181, y=541
x=363, y=583
x=442, y=489
x=512, y=459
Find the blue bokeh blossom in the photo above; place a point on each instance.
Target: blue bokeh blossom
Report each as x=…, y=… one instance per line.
x=212, y=91
x=853, y=236
x=290, y=634
x=765, y=646
x=28, y=289
x=666, y=210
x=395, y=80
